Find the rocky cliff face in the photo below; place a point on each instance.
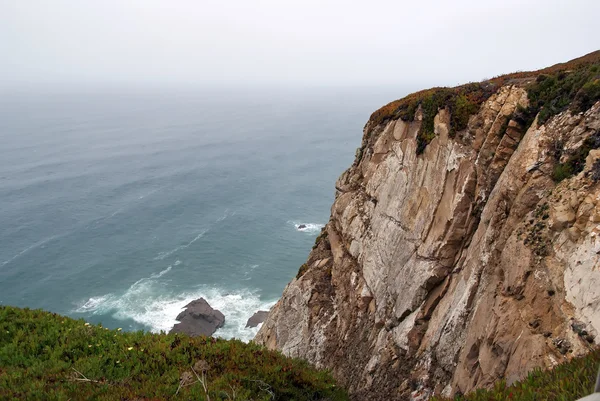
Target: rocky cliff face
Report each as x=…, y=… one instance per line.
x=444, y=271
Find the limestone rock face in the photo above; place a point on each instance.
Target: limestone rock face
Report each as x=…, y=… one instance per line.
x=199, y=319
x=440, y=273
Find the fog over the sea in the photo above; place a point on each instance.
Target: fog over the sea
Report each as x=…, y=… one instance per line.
x=287, y=42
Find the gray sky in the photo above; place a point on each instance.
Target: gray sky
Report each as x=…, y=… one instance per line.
x=304, y=42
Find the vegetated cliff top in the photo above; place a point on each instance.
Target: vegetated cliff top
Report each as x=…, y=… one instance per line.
x=576, y=80
x=47, y=356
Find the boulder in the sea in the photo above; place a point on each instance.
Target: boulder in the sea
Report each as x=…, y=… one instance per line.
x=301, y=226
x=199, y=319
x=257, y=318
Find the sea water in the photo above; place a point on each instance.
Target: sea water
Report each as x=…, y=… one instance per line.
x=122, y=206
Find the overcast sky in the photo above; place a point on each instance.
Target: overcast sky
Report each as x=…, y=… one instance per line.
x=287, y=42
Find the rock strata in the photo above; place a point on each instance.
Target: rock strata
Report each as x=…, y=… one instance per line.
x=199, y=319
x=443, y=271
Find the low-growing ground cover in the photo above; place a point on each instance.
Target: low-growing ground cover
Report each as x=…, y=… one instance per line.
x=48, y=356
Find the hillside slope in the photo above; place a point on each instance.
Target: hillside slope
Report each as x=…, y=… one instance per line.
x=463, y=245
x=44, y=356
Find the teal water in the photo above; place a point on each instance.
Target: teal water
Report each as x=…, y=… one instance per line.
x=122, y=206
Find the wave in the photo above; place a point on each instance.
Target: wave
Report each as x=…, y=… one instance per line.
x=29, y=248
x=121, y=209
x=310, y=228
x=247, y=271
x=165, y=254
x=226, y=214
x=146, y=302
x=151, y=192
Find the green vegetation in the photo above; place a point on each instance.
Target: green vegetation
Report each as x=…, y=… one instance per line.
x=575, y=85
x=462, y=102
x=47, y=356
x=303, y=268
x=566, y=382
x=554, y=93
x=575, y=163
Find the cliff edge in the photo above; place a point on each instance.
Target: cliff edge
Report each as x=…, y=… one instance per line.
x=463, y=244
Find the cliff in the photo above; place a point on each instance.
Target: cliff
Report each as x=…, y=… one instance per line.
x=463, y=241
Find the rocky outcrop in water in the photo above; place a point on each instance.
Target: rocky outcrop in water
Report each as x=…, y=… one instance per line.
x=256, y=319
x=199, y=319
x=444, y=271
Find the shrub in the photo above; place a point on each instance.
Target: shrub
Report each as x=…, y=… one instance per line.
x=588, y=94
x=554, y=93
x=576, y=161
x=303, y=269
x=562, y=171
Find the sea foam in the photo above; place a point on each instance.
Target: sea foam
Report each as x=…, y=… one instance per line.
x=309, y=228
x=146, y=302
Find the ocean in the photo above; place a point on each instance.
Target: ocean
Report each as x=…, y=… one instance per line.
x=121, y=206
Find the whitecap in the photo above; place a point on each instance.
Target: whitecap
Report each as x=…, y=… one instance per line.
x=124, y=207
x=163, y=255
x=309, y=228
x=29, y=248
x=146, y=303
x=225, y=215
x=91, y=304
x=162, y=273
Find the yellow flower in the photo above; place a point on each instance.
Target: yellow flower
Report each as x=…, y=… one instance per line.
x=90, y=346
x=119, y=329
x=118, y=361
x=130, y=348
x=87, y=324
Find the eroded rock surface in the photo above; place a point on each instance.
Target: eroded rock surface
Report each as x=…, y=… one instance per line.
x=442, y=272
x=199, y=319
x=257, y=318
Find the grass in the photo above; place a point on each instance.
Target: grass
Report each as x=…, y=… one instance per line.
x=48, y=356
x=575, y=85
x=566, y=382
